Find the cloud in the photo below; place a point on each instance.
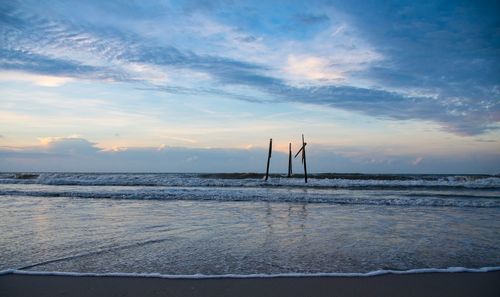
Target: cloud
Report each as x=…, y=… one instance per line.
x=40, y=80
x=78, y=154
x=312, y=68
x=191, y=6
x=445, y=48
x=50, y=71
x=438, y=65
x=376, y=160
x=459, y=116
x=485, y=140
x=310, y=19
x=72, y=145
x=417, y=161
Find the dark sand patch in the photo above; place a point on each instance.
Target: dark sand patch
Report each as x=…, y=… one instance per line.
x=425, y=284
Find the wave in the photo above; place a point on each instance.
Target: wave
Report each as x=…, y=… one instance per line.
x=279, y=275
x=97, y=252
x=330, y=180
x=387, y=198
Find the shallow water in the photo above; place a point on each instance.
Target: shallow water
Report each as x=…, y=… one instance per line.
x=245, y=229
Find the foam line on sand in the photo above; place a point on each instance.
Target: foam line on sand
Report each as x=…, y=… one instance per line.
x=456, y=283
x=260, y=275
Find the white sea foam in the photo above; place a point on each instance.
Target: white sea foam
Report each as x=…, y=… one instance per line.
x=260, y=275
x=200, y=180
x=332, y=196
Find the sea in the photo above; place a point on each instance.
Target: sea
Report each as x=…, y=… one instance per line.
x=238, y=224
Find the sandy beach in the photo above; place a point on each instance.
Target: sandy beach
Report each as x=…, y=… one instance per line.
x=426, y=284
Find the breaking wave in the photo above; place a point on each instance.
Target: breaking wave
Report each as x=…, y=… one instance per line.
x=332, y=196
x=253, y=180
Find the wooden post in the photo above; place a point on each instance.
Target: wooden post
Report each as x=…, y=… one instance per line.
x=269, y=157
x=289, y=159
x=303, y=150
x=304, y=158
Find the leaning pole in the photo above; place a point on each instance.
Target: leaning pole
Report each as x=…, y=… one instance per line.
x=269, y=157
x=304, y=162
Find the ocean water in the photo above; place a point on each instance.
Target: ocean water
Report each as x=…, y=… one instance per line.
x=238, y=224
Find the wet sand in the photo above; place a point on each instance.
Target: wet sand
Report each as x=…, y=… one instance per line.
x=424, y=284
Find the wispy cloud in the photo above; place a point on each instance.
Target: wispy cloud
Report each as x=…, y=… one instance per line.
x=436, y=65
x=40, y=80
x=309, y=18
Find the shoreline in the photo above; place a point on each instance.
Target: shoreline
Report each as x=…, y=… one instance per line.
x=389, y=284
x=24, y=271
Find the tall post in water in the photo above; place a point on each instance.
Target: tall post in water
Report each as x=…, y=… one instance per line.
x=289, y=159
x=303, y=150
x=304, y=158
x=269, y=157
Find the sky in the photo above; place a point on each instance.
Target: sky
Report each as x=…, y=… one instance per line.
x=201, y=86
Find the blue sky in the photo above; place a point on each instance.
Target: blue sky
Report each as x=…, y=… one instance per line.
x=376, y=86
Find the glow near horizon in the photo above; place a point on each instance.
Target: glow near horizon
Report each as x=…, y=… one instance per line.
x=232, y=80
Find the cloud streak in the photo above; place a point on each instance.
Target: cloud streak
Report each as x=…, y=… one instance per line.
x=428, y=72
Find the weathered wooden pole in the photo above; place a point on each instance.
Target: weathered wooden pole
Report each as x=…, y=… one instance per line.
x=269, y=157
x=304, y=158
x=303, y=150
x=289, y=159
